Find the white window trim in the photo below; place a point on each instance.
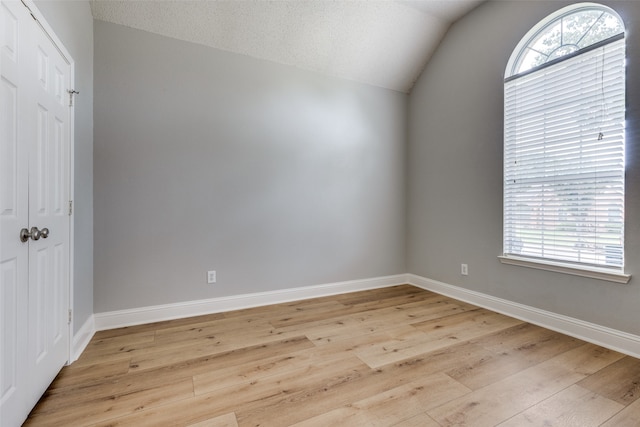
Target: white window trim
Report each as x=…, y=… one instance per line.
x=567, y=268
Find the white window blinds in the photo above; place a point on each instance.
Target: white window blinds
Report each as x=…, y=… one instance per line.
x=564, y=159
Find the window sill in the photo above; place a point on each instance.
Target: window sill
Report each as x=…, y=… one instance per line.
x=559, y=267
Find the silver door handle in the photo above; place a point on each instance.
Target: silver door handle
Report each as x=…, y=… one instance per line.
x=34, y=234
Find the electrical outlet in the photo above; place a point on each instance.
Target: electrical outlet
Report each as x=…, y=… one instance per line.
x=464, y=269
x=211, y=276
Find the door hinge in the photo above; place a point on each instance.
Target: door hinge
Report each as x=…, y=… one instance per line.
x=70, y=207
x=70, y=316
x=71, y=93
x=30, y=12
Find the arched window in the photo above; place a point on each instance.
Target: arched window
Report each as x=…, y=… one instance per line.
x=564, y=114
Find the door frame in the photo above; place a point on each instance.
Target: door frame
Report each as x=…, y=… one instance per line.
x=48, y=30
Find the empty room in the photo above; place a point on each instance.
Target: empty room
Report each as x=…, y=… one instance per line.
x=319, y=213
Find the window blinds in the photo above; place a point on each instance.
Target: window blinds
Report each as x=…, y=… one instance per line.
x=564, y=160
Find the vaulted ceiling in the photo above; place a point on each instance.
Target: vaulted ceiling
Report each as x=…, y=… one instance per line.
x=382, y=43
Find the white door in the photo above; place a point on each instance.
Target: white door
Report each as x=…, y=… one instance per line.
x=14, y=205
x=34, y=188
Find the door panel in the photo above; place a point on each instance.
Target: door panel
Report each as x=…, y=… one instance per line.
x=34, y=192
x=48, y=191
x=14, y=213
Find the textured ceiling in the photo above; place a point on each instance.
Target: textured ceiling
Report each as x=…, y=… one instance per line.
x=382, y=43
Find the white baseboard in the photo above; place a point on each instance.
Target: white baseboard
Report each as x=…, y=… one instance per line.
x=82, y=337
x=606, y=337
x=137, y=316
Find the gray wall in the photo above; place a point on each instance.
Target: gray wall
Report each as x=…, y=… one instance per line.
x=73, y=24
x=455, y=170
x=207, y=160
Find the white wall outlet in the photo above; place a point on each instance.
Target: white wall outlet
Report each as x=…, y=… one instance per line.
x=211, y=276
x=464, y=269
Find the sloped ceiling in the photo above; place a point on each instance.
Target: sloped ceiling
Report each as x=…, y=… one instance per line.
x=382, y=43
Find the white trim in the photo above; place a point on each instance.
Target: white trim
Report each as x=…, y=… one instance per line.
x=137, y=316
x=82, y=338
x=72, y=150
x=560, y=267
x=606, y=337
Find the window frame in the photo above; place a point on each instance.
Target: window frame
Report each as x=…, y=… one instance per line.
x=549, y=264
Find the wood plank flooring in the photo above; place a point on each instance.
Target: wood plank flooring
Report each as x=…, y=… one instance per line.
x=397, y=356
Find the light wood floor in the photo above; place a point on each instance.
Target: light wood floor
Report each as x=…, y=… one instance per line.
x=398, y=356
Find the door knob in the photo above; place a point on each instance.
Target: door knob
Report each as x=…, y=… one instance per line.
x=34, y=233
